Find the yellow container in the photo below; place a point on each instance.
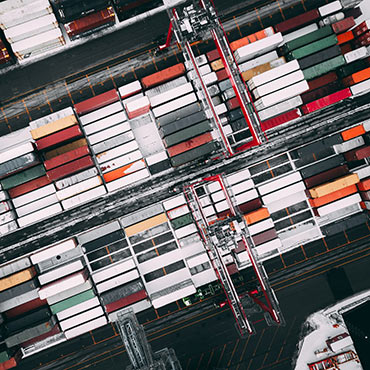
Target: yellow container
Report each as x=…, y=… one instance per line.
x=330, y=187
x=52, y=127
x=146, y=224
x=16, y=279
x=217, y=65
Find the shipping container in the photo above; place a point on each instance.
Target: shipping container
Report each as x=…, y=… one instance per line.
x=109, y=133
x=324, y=67
x=322, y=166
x=189, y=144
x=101, y=113
x=333, y=196
x=117, y=281
x=360, y=88
x=22, y=178
x=61, y=272
x=58, y=260
x=163, y=76
x=19, y=289
x=16, y=279
x=321, y=92
x=52, y=117
x=330, y=8
x=338, y=204
x=179, y=114
x=280, y=108
x=78, y=188
x=87, y=285
x=59, y=137
x=279, y=183
x=65, y=148
x=280, y=194
x=247, y=75
x=39, y=215
x=319, y=57
x=252, y=38
x=77, y=308
x=297, y=21
x=174, y=105
x=300, y=32
x=171, y=94
x=345, y=37
x=357, y=77
x=349, y=145
x=326, y=176
x=343, y=25
x=81, y=318
x=96, y=102
x=353, y=132
x=362, y=28
x=333, y=186
x=75, y=179
x=131, y=161
x=358, y=154
x=18, y=300
x=14, y=267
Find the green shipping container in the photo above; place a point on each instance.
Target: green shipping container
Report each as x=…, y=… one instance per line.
x=324, y=67
x=187, y=133
x=192, y=154
x=22, y=177
x=181, y=221
x=72, y=301
x=308, y=39
x=313, y=47
x=4, y=356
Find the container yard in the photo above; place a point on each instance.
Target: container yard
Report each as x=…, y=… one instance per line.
x=182, y=184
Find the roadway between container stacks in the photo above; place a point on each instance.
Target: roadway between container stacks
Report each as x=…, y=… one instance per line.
x=206, y=338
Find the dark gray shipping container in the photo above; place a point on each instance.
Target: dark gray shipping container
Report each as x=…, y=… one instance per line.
x=319, y=57
x=160, y=167
x=322, y=166
x=18, y=164
x=18, y=300
x=224, y=85
x=18, y=290
x=193, y=154
x=179, y=113
x=347, y=223
x=234, y=115
x=319, y=146
x=103, y=241
x=124, y=290
x=113, y=142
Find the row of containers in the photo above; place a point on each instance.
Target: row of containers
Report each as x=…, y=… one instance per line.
x=33, y=27
x=155, y=256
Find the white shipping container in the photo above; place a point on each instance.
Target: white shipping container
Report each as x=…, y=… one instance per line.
x=178, y=212
x=221, y=109
x=19, y=300
x=261, y=226
x=62, y=285
x=74, y=179
x=132, y=98
x=117, y=151
x=37, y=205
x=330, y=8
x=129, y=89
x=218, y=196
x=185, y=231
x=133, y=157
x=246, y=197
x=7, y=6
x=69, y=292
x=31, y=28
x=363, y=172
x=74, y=310
x=301, y=239
x=39, y=215
x=110, y=132
x=349, y=145
x=117, y=281
x=101, y=113
x=258, y=48
x=7, y=217
x=210, y=78
x=105, y=123
x=279, y=183
x=197, y=260
x=273, y=74
x=5, y=206
x=340, y=213
x=360, y=88
x=296, y=229
x=287, y=202
x=174, y=105
x=16, y=152
x=38, y=44
x=156, y=158
x=53, y=251
x=84, y=328
x=3, y=195
x=33, y=195
x=266, y=58
x=280, y=108
x=128, y=180
x=60, y=272
x=51, y=118
x=84, y=197
x=281, y=95
x=137, y=104
x=15, y=266
x=171, y=94
x=356, y=54
x=79, y=188
x=338, y=204
x=285, y=192
x=301, y=32
x=113, y=270
x=8, y=227
x=81, y=318
x=234, y=178
x=174, y=202
x=268, y=247
x=278, y=84
x=166, y=86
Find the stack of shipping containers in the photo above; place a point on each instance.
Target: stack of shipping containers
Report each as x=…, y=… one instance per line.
x=30, y=27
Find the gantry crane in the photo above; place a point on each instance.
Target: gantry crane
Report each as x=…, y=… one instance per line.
x=191, y=24
x=227, y=232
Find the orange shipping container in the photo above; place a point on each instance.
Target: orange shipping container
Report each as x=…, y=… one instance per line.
x=338, y=184
x=123, y=171
x=318, y=202
x=357, y=77
x=190, y=144
x=255, y=216
x=247, y=75
x=146, y=224
x=217, y=65
x=163, y=76
x=364, y=185
x=251, y=38
x=17, y=278
x=239, y=43
x=52, y=127
x=345, y=37
x=353, y=132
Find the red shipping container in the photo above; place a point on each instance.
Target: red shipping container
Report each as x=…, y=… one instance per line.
x=343, y=25
x=281, y=119
x=326, y=101
x=345, y=37
x=361, y=28
x=321, y=92
x=345, y=48
x=59, y=137
x=364, y=185
x=264, y=237
x=221, y=75
x=55, y=330
x=28, y=186
x=190, y=144
x=232, y=269
x=326, y=176
x=250, y=206
x=26, y=307
x=126, y=301
x=8, y=364
x=163, y=76
x=322, y=81
x=97, y=102
x=66, y=157
x=233, y=103
x=213, y=55
x=70, y=168
x=298, y=21
x=90, y=22
x=358, y=154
